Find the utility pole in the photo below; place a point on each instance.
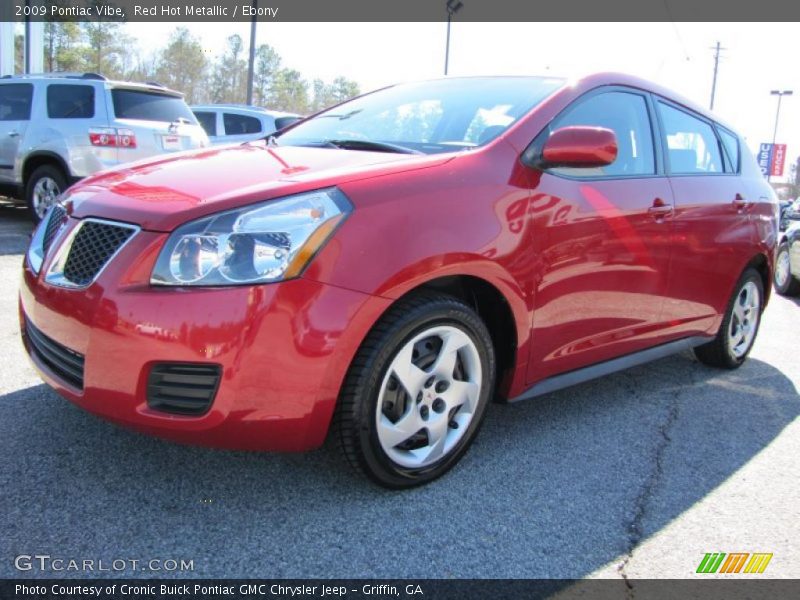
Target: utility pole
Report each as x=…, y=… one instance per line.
x=453, y=6
x=252, y=58
x=717, y=51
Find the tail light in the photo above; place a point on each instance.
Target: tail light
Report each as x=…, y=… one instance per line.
x=112, y=137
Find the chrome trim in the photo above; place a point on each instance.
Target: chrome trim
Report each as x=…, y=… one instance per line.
x=55, y=274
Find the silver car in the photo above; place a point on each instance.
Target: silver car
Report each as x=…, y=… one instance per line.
x=58, y=128
x=227, y=123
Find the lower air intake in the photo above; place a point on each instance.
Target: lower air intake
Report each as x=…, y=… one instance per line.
x=183, y=388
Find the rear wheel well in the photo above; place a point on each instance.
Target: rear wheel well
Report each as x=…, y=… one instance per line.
x=493, y=309
x=38, y=160
x=761, y=265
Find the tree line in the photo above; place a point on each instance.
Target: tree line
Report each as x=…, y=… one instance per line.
x=183, y=65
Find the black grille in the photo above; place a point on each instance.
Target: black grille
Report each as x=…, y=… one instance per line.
x=182, y=388
x=54, y=223
x=63, y=362
x=94, y=244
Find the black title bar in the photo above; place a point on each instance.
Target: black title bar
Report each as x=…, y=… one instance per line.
x=399, y=10
x=733, y=588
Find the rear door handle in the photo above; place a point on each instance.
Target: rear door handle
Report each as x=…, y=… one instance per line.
x=740, y=202
x=13, y=133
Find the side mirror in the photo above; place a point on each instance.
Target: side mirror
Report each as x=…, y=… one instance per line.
x=580, y=147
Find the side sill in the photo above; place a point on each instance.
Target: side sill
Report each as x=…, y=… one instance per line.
x=564, y=380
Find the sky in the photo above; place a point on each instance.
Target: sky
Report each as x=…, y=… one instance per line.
x=758, y=57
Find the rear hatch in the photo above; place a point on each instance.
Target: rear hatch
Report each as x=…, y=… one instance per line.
x=158, y=120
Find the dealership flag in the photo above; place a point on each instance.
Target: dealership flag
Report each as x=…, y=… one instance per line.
x=771, y=159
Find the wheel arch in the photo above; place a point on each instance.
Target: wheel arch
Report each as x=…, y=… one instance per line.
x=761, y=265
x=504, y=313
x=40, y=158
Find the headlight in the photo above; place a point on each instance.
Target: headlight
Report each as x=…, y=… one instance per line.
x=266, y=242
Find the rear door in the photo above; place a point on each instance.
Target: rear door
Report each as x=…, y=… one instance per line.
x=603, y=238
x=15, y=114
x=713, y=234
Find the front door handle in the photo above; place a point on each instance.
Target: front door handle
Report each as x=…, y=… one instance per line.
x=13, y=134
x=660, y=209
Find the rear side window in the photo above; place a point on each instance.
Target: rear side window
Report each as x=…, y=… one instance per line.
x=240, y=124
x=731, y=145
x=70, y=101
x=626, y=115
x=208, y=121
x=692, y=145
x=150, y=106
x=15, y=101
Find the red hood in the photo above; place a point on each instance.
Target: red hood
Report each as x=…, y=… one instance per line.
x=162, y=193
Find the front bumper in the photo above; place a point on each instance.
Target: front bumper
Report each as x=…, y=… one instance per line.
x=283, y=348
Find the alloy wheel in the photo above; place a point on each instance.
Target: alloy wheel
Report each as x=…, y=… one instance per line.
x=744, y=321
x=429, y=396
x=45, y=195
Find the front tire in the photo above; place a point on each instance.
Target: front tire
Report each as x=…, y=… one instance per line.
x=736, y=335
x=416, y=392
x=785, y=283
x=44, y=186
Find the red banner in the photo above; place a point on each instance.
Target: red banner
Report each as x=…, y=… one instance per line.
x=778, y=160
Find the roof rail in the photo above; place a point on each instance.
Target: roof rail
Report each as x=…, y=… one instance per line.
x=155, y=84
x=235, y=105
x=59, y=74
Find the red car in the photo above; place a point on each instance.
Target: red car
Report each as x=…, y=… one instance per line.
x=386, y=268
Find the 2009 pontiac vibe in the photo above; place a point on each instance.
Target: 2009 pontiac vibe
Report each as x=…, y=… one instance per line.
x=387, y=267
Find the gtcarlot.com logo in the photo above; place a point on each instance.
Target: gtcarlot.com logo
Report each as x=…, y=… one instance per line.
x=48, y=563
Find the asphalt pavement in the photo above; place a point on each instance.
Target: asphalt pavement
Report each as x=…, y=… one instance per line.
x=638, y=474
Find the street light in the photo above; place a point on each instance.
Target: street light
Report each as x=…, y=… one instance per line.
x=453, y=6
x=780, y=94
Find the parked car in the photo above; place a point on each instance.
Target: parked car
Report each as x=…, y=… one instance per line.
x=227, y=123
x=58, y=128
x=783, y=220
x=388, y=267
x=787, y=264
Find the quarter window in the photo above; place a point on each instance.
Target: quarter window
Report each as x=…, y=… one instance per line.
x=626, y=115
x=692, y=145
x=240, y=124
x=731, y=144
x=70, y=101
x=15, y=101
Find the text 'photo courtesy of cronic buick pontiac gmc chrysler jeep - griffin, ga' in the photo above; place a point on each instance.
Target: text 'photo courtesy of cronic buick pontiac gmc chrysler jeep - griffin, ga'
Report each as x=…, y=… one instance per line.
x=384, y=270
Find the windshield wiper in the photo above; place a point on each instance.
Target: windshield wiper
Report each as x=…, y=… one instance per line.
x=369, y=145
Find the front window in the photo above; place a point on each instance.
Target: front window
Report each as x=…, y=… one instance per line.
x=426, y=117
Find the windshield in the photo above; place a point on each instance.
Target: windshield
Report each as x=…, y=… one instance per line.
x=428, y=117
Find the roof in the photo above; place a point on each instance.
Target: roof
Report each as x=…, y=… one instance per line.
x=85, y=77
x=244, y=108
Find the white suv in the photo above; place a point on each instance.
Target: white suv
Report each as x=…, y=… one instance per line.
x=58, y=128
x=227, y=123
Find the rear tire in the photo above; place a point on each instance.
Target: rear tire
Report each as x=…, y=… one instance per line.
x=416, y=392
x=737, y=334
x=785, y=284
x=42, y=190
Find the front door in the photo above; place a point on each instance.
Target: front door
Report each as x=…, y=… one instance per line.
x=603, y=238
